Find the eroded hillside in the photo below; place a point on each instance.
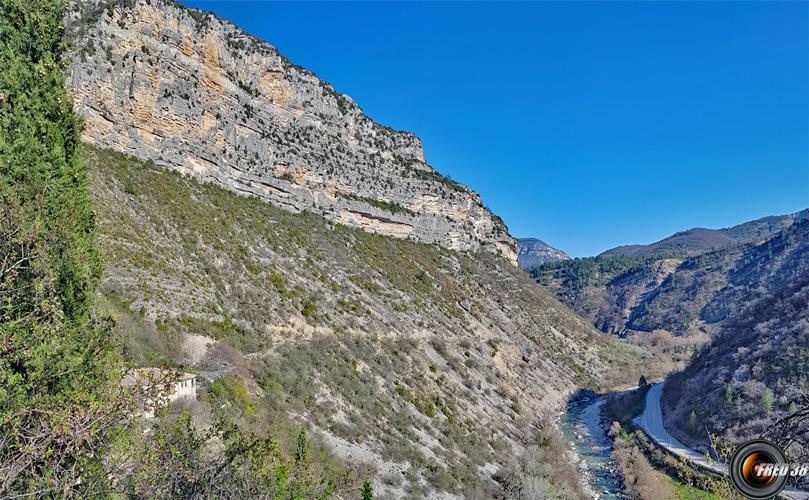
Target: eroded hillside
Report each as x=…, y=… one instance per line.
x=433, y=368
x=196, y=94
x=755, y=371
x=670, y=302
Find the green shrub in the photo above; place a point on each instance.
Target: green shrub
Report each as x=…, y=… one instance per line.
x=57, y=365
x=233, y=389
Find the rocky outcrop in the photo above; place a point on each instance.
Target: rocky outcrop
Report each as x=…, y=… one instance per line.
x=532, y=252
x=198, y=95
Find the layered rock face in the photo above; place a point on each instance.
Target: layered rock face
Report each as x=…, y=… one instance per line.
x=198, y=95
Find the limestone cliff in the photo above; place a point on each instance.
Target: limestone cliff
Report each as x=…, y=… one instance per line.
x=196, y=94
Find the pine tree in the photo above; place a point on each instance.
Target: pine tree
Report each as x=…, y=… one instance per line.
x=301, y=447
x=367, y=492
x=55, y=363
x=793, y=408
x=767, y=401
x=728, y=396
x=642, y=383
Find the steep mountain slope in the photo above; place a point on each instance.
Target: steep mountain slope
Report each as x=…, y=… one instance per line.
x=699, y=240
x=198, y=95
x=666, y=291
x=372, y=301
x=757, y=365
x=532, y=252
x=428, y=368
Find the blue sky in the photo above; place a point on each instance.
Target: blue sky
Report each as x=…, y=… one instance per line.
x=588, y=125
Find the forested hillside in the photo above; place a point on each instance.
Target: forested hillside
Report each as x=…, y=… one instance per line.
x=670, y=302
x=755, y=370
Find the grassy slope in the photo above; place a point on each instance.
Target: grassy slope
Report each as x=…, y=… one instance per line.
x=422, y=363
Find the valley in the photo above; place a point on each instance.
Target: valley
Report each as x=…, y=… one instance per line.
x=723, y=392
x=318, y=276
x=221, y=278
x=315, y=272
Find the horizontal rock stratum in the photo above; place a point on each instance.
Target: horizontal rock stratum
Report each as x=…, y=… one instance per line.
x=196, y=94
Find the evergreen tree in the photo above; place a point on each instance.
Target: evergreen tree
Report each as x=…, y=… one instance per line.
x=55, y=363
x=692, y=420
x=728, y=396
x=301, y=447
x=767, y=401
x=367, y=492
x=793, y=408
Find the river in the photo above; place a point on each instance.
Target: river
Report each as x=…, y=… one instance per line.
x=581, y=425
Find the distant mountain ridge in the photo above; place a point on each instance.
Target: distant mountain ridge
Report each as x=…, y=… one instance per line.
x=698, y=240
x=532, y=252
x=679, y=292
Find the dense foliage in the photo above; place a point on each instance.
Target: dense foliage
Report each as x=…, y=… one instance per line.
x=576, y=274
x=68, y=427
x=50, y=263
x=754, y=372
x=177, y=463
x=54, y=360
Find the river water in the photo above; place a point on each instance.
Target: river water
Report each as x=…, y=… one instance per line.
x=581, y=425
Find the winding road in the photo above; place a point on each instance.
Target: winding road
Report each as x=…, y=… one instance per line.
x=651, y=421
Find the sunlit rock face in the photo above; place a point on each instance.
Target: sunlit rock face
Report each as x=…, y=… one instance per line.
x=198, y=95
